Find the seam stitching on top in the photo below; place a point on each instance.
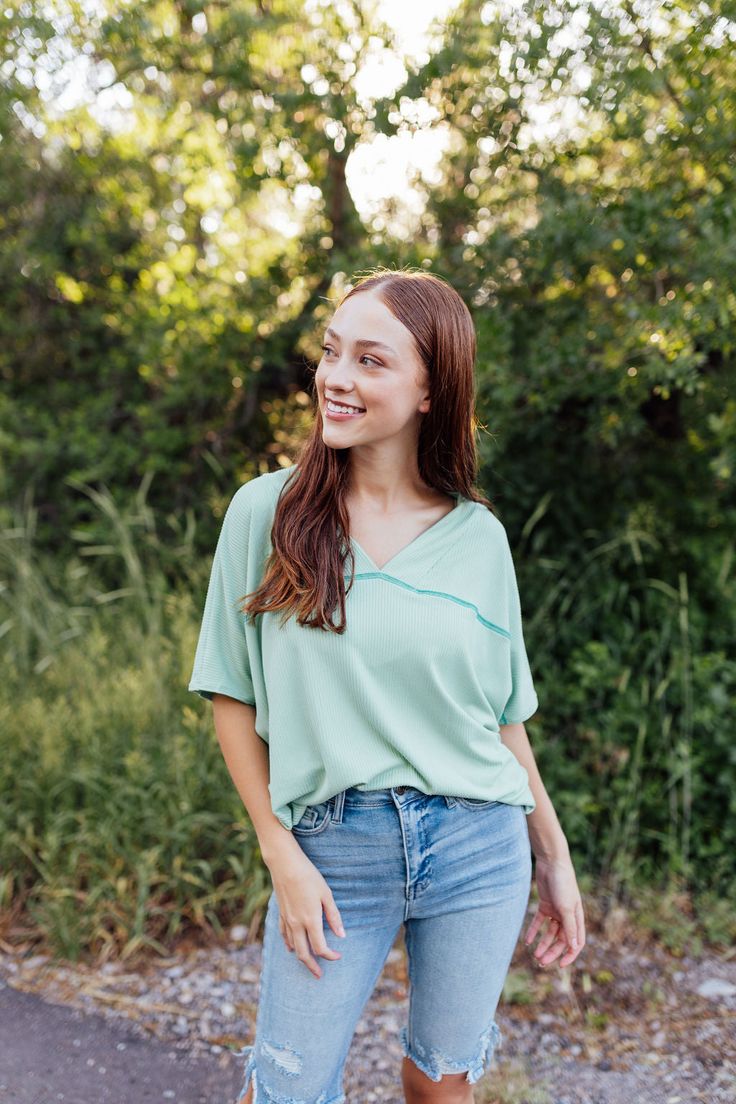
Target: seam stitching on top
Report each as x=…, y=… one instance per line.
x=436, y=594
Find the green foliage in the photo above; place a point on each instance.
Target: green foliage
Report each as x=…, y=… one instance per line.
x=636, y=743
x=119, y=827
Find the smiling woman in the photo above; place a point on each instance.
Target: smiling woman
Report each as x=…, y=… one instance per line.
x=384, y=384
x=393, y=800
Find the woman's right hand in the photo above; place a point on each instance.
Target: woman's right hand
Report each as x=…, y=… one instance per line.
x=302, y=894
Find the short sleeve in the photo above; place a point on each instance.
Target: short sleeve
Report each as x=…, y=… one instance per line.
x=523, y=702
x=221, y=661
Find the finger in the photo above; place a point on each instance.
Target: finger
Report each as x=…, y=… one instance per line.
x=580, y=921
x=534, y=927
x=551, y=954
x=531, y=931
x=303, y=953
x=319, y=944
x=569, y=956
x=567, y=938
x=547, y=939
x=286, y=933
x=332, y=916
x=575, y=934
x=570, y=930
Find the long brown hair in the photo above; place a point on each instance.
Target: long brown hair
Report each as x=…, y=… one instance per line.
x=304, y=574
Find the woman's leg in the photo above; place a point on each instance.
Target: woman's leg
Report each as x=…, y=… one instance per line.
x=420, y=1089
x=305, y=1024
x=465, y=917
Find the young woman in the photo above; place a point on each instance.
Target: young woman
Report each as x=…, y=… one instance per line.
x=362, y=646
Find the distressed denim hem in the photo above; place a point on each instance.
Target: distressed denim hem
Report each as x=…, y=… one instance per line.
x=261, y=1095
x=434, y=1064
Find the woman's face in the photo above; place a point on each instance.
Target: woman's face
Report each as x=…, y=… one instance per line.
x=370, y=361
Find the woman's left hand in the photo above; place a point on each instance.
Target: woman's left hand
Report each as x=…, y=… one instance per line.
x=561, y=904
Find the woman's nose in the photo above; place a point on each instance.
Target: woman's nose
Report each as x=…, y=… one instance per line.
x=339, y=374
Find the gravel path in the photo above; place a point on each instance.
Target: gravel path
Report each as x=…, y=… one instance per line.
x=628, y=1023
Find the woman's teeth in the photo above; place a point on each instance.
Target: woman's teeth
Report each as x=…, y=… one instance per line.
x=337, y=409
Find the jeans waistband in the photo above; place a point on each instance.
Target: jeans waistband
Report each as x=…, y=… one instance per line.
x=391, y=795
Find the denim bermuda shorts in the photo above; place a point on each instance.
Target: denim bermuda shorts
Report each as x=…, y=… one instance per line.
x=456, y=873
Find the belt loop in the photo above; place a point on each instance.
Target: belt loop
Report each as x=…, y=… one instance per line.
x=338, y=802
x=449, y=801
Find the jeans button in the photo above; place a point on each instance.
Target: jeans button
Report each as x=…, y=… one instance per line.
x=401, y=789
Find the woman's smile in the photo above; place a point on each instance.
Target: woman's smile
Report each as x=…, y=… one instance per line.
x=341, y=412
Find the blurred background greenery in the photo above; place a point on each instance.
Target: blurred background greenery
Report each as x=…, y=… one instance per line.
x=185, y=187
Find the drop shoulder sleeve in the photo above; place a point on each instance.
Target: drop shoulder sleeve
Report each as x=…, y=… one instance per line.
x=523, y=702
x=221, y=661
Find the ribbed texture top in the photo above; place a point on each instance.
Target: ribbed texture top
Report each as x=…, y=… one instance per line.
x=412, y=693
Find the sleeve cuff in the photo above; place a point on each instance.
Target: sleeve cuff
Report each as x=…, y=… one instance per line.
x=207, y=691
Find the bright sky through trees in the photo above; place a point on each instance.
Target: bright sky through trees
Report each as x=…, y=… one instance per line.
x=377, y=170
x=380, y=167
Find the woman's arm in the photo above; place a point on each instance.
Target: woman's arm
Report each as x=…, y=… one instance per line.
x=246, y=756
x=302, y=893
x=559, y=901
x=545, y=832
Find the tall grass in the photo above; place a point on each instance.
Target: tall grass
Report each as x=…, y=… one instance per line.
x=639, y=698
x=119, y=826
x=120, y=829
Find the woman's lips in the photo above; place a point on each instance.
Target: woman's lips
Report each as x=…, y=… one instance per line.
x=339, y=416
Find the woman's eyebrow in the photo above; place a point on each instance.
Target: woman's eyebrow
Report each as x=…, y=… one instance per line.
x=362, y=342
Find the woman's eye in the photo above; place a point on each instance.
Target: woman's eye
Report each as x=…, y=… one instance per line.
x=328, y=349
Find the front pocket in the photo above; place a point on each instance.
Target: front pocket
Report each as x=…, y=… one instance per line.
x=314, y=819
x=476, y=803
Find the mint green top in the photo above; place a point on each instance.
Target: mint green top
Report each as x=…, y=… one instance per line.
x=412, y=693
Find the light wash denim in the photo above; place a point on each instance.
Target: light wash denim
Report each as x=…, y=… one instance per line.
x=456, y=872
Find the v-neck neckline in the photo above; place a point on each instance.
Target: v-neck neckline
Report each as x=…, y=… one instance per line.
x=452, y=515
